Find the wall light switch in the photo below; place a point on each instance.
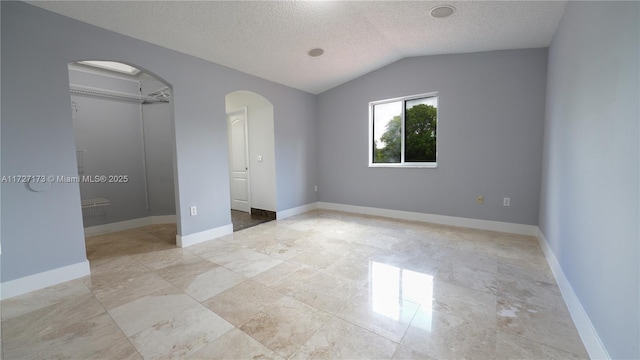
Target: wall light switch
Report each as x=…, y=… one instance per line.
x=259, y=158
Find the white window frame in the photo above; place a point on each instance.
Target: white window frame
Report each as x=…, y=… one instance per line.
x=402, y=163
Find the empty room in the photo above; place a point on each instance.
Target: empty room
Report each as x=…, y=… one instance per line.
x=320, y=180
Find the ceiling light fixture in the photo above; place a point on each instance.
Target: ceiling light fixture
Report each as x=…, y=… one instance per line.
x=315, y=52
x=442, y=11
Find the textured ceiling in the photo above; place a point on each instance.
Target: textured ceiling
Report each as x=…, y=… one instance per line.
x=271, y=39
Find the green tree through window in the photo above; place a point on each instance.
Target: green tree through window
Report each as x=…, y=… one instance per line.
x=390, y=142
x=420, y=123
x=420, y=134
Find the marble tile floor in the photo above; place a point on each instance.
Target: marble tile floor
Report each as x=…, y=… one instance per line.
x=321, y=285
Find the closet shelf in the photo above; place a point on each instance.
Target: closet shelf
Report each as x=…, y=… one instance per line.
x=159, y=96
x=112, y=94
x=91, y=203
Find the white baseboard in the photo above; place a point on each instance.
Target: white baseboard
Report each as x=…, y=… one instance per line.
x=129, y=224
x=44, y=279
x=522, y=229
x=587, y=332
x=192, y=239
x=296, y=211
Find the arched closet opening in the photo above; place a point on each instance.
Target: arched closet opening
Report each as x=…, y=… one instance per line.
x=124, y=135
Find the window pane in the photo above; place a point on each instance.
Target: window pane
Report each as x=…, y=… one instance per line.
x=387, y=132
x=420, y=129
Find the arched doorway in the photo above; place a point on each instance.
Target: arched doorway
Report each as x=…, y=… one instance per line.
x=252, y=168
x=124, y=134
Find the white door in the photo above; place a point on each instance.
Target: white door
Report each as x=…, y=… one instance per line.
x=239, y=160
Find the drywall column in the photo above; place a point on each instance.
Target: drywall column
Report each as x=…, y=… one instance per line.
x=159, y=142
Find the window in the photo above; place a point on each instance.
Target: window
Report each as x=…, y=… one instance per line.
x=402, y=131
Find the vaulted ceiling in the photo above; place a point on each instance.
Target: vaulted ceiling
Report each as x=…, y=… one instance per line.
x=271, y=39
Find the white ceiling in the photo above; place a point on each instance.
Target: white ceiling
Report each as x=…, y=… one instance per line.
x=271, y=39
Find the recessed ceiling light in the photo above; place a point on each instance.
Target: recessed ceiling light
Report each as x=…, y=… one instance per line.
x=315, y=52
x=442, y=11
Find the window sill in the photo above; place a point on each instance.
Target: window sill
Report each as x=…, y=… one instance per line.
x=406, y=166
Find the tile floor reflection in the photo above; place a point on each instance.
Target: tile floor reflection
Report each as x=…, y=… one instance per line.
x=322, y=285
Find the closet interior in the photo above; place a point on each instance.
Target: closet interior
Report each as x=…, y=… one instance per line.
x=124, y=136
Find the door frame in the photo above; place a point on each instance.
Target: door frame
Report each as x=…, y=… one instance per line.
x=245, y=111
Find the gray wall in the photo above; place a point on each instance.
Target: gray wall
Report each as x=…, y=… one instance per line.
x=590, y=189
x=490, y=127
x=296, y=143
x=43, y=231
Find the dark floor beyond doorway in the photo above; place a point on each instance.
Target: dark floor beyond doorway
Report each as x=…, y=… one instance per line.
x=242, y=220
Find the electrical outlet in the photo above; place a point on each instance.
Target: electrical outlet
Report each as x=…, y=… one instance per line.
x=480, y=199
x=194, y=211
x=506, y=202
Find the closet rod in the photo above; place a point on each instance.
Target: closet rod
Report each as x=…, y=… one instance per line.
x=111, y=94
x=94, y=91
